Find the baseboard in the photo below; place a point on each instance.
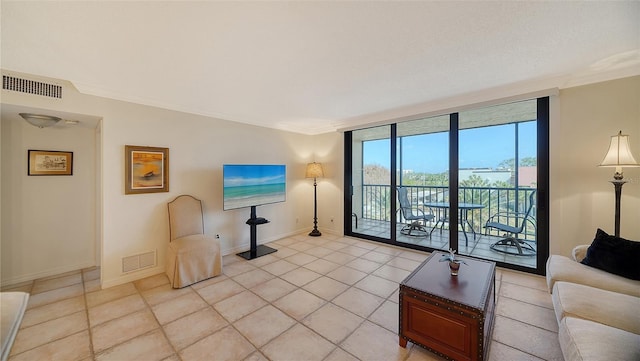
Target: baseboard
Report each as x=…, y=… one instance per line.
x=47, y=273
x=133, y=276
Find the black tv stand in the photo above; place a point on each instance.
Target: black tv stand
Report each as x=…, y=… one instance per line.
x=255, y=251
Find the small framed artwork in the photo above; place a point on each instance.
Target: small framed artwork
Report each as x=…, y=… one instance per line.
x=50, y=162
x=146, y=169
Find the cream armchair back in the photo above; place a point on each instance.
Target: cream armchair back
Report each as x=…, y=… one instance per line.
x=192, y=256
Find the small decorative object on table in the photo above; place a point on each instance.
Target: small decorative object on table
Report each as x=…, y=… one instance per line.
x=454, y=263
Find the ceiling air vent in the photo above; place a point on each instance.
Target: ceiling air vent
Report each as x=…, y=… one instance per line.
x=31, y=87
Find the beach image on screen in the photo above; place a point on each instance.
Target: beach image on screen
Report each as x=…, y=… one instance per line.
x=253, y=185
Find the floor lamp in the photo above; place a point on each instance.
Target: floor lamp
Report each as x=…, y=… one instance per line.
x=314, y=170
x=618, y=156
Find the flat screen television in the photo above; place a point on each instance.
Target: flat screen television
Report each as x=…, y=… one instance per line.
x=248, y=185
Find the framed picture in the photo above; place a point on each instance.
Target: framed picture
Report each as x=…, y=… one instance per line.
x=147, y=169
x=50, y=162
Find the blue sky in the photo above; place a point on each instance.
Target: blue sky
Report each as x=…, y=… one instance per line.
x=479, y=148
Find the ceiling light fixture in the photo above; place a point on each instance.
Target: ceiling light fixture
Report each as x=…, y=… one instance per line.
x=40, y=120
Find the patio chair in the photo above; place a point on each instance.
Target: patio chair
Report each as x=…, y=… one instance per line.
x=513, y=224
x=415, y=217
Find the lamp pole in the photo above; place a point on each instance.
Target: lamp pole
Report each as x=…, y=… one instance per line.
x=617, y=184
x=315, y=232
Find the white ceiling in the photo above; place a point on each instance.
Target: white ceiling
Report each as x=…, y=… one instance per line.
x=314, y=67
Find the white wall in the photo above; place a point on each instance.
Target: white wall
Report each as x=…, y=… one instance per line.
x=48, y=222
x=581, y=198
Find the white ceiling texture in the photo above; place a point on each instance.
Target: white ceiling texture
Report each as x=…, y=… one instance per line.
x=316, y=67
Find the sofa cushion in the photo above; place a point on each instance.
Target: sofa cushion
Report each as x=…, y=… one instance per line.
x=561, y=268
x=614, y=254
x=609, y=308
x=583, y=340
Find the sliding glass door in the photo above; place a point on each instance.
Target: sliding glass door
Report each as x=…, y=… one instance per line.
x=474, y=181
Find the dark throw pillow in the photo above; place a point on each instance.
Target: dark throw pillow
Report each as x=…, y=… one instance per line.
x=615, y=255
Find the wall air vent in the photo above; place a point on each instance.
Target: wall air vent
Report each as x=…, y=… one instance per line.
x=31, y=87
x=138, y=261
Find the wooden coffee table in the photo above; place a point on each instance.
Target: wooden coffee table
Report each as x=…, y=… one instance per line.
x=451, y=316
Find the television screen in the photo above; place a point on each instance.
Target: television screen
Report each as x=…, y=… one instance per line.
x=246, y=185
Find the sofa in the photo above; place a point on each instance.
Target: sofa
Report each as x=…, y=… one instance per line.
x=598, y=311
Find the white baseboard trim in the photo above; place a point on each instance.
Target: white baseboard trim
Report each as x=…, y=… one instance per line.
x=8, y=282
x=133, y=276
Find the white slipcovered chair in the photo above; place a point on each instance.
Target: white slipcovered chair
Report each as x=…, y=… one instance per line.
x=192, y=256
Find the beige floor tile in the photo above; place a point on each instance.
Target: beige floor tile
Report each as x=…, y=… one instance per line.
x=404, y=263
x=326, y=288
x=301, y=259
x=253, y=278
x=339, y=257
x=529, y=339
x=194, y=327
x=334, y=245
x=359, y=302
x=252, y=326
x=284, y=252
x=115, y=309
x=300, y=246
x=43, y=333
x=417, y=353
x=355, y=251
x=220, y=291
x=366, y=244
x=237, y=268
x=374, y=343
x=73, y=347
x=500, y=352
x=379, y=257
x=322, y=266
x=163, y=293
x=92, y=286
x=525, y=294
x=414, y=255
x=263, y=260
x=339, y=354
x=298, y=343
x=224, y=345
x=117, y=331
x=391, y=273
x=280, y=267
x=256, y=356
x=51, y=311
x=178, y=307
x=231, y=258
x=238, y=306
x=151, y=346
x=40, y=286
x=90, y=274
x=318, y=251
x=525, y=279
x=347, y=275
x=395, y=296
x=273, y=289
x=300, y=276
x=377, y=285
x=387, y=316
x=364, y=265
x=525, y=312
x=286, y=241
x=55, y=295
x=333, y=322
x=151, y=282
x=299, y=303
x=110, y=294
x=209, y=282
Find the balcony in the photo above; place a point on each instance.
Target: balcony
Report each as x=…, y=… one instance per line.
x=375, y=216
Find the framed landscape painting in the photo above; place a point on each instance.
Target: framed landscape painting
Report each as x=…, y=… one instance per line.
x=146, y=169
x=50, y=162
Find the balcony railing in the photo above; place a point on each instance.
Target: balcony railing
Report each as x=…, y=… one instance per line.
x=376, y=204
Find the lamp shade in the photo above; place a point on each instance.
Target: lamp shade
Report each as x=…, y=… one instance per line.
x=619, y=154
x=314, y=170
x=39, y=120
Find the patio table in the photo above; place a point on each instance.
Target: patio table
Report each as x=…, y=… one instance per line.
x=464, y=209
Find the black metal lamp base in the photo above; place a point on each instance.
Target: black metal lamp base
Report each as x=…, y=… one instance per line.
x=315, y=233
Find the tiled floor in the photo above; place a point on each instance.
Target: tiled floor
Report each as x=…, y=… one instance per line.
x=325, y=298
x=477, y=247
